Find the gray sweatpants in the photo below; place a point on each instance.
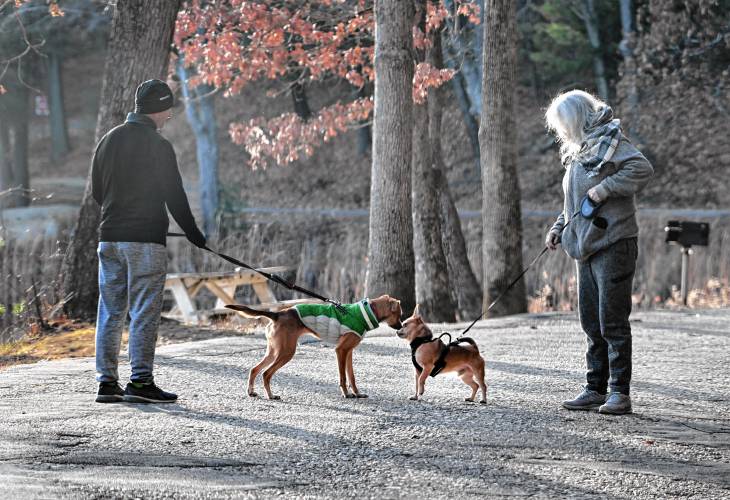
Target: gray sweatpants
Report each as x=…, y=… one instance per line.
x=131, y=279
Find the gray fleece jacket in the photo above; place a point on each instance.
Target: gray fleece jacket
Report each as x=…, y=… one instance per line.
x=619, y=179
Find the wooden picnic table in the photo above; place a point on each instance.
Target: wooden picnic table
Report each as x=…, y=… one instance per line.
x=185, y=286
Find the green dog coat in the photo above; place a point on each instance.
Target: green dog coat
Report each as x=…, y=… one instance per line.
x=329, y=323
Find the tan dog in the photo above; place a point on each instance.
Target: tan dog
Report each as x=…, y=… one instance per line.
x=431, y=356
x=286, y=328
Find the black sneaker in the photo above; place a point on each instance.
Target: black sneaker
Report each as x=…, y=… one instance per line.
x=109, y=392
x=148, y=393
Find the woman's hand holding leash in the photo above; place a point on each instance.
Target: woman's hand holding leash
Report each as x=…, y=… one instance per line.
x=552, y=240
x=594, y=195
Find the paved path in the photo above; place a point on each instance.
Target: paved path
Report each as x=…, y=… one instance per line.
x=217, y=443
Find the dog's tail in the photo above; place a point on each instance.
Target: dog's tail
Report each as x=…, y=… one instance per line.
x=254, y=313
x=468, y=340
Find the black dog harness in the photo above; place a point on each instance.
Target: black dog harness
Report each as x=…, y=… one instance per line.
x=445, y=348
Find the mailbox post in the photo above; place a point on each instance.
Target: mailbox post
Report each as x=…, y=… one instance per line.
x=686, y=234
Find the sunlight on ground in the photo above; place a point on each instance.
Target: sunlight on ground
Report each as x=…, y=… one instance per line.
x=74, y=344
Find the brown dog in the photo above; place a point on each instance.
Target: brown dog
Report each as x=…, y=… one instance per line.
x=431, y=356
x=287, y=326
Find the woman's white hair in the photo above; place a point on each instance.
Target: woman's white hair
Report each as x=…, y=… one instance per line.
x=568, y=117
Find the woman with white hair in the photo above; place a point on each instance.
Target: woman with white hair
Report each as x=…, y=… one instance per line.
x=603, y=171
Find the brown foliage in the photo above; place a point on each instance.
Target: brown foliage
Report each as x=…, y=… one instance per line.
x=682, y=52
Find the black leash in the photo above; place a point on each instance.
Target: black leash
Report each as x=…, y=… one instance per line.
x=499, y=297
x=271, y=277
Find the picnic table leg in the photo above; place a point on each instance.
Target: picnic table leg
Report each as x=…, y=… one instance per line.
x=264, y=293
x=183, y=301
x=229, y=291
x=224, y=296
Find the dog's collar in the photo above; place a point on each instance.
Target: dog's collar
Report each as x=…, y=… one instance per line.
x=419, y=341
x=368, y=314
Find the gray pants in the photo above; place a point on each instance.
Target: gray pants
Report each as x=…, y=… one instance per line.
x=131, y=279
x=604, y=304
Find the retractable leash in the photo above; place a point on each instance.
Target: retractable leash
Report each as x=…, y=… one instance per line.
x=271, y=277
x=588, y=209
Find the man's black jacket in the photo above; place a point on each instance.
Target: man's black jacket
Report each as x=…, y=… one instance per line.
x=134, y=175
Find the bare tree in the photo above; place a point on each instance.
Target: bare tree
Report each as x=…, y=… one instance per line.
x=587, y=12
x=433, y=292
x=200, y=111
x=14, y=122
x=627, y=46
x=57, y=119
x=464, y=284
x=501, y=214
x=139, y=49
x=390, y=246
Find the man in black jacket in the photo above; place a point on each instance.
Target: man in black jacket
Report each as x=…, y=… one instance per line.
x=134, y=179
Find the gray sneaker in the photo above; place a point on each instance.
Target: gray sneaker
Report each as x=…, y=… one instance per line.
x=616, y=404
x=586, y=400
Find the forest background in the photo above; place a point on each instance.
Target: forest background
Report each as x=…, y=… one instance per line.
x=302, y=202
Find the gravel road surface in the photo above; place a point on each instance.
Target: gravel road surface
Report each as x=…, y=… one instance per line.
x=55, y=442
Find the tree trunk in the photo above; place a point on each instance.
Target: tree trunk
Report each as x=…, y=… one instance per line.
x=6, y=164
x=139, y=49
x=390, y=246
x=465, y=288
x=627, y=45
x=501, y=214
x=467, y=40
x=200, y=111
x=19, y=129
x=57, y=118
x=299, y=98
x=472, y=126
x=464, y=47
x=599, y=70
x=531, y=18
x=433, y=291
x=364, y=139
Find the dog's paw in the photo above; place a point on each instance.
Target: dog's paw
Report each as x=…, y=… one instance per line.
x=349, y=395
x=360, y=395
x=275, y=398
x=469, y=400
x=413, y=398
x=253, y=394
x=483, y=402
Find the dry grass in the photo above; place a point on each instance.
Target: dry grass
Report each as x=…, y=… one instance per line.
x=28, y=272
x=72, y=341
x=68, y=339
x=714, y=295
x=330, y=257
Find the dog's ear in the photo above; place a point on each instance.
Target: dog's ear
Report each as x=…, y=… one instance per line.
x=394, y=305
x=416, y=311
x=235, y=307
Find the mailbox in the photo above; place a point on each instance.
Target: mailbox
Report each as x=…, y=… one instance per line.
x=687, y=233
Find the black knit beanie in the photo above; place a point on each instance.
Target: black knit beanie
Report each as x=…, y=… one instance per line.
x=152, y=96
